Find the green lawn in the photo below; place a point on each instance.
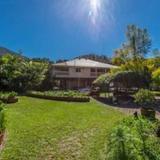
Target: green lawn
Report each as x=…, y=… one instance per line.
x=47, y=130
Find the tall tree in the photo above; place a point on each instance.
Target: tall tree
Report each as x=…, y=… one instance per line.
x=156, y=53
x=136, y=47
x=138, y=41
x=121, y=56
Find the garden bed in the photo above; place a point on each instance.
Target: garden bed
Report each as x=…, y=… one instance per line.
x=70, y=96
x=8, y=97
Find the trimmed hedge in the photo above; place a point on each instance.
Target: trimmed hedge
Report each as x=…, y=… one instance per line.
x=60, y=98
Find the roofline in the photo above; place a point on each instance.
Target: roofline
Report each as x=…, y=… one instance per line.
x=64, y=64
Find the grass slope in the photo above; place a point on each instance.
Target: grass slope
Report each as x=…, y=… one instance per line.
x=46, y=130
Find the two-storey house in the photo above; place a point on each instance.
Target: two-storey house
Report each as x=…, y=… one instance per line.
x=79, y=73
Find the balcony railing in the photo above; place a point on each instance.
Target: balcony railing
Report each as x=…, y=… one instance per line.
x=95, y=74
x=66, y=73
x=100, y=73
x=61, y=73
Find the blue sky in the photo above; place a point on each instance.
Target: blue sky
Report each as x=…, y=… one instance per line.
x=63, y=29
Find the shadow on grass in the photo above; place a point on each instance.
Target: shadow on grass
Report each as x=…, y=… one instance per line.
x=125, y=103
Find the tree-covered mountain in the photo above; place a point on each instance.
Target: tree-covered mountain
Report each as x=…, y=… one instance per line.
x=96, y=57
x=4, y=51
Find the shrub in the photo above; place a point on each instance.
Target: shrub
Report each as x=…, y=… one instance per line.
x=12, y=94
x=120, y=146
x=133, y=139
x=144, y=98
x=8, y=97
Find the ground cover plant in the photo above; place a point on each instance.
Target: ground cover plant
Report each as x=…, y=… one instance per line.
x=42, y=129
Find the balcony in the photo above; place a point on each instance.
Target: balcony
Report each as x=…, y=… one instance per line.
x=96, y=74
x=61, y=73
x=93, y=74
x=100, y=73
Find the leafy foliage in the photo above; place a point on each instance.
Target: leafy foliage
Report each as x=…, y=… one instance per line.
x=144, y=98
x=103, y=81
x=121, y=56
x=139, y=42
x=134, y=139
x=123, y=80
x=19, y=74
x=69, y=93
x=129, y=80
x=2, y=118
x=136, y=47
x=7, y=95
x=156, y=77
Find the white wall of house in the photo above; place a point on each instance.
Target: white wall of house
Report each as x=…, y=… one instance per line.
x=77, y=72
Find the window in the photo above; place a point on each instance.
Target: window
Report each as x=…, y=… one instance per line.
x=101, y=70
x=93, y=70
x=78, y=70
x=63, y=69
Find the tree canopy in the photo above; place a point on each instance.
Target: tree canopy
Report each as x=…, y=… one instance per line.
x=137, y=45
x=19, y=74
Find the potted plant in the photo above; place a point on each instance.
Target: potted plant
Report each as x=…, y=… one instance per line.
x=145, y=98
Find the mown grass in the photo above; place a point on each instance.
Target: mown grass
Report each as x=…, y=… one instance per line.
x=47, y=130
